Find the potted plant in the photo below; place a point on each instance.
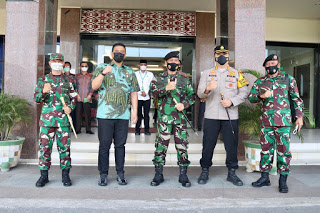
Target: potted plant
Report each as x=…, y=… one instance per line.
x=13, y=111
x=249, y=123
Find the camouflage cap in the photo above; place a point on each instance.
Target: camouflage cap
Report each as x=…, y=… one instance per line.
x=221, y=49
x=58, y=56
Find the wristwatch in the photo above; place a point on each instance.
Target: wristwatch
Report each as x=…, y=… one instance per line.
x=103, y=73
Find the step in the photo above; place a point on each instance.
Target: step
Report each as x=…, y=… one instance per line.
x=137, y=148
x=141, y=154
x=134, y=159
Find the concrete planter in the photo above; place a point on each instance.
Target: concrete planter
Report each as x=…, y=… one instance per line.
x=252, y=154
x=10, y=152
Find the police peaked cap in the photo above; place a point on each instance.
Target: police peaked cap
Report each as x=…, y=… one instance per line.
x=221, y=49
x=272, y=57
x=173, y=54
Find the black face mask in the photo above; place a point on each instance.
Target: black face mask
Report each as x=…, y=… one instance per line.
x=118, y=57
x=222, y=59
x=272, y=69
x=173, y=67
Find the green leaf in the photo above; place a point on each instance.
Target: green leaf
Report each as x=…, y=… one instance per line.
x=13, y=110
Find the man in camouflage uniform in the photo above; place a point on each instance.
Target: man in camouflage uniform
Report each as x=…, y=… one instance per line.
x=275, y=91
x=169, y=87
x=117, y=86
x=54, y=122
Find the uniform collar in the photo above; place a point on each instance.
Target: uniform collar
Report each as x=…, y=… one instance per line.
x=222, y=69
x=166, y=73
x=113, y=64
x=53, y=77
x=281, y=74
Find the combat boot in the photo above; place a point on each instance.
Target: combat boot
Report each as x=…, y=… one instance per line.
x=263, y=180
x=233, y=178
x=283, y=188
x=204, y=176
x=65, y=177
x=183, y=178
x=44, y=179
x=158, y=177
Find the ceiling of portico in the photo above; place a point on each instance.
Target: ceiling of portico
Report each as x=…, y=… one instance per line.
x=175, y=5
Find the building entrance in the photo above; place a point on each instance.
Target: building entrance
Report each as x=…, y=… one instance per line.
x=96, y=49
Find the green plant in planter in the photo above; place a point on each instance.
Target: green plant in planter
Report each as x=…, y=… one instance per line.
x=13, y=110
x=249, y=114
x=249, y=120
x=309, y=119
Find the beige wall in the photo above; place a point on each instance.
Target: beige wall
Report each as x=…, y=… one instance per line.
x=293, y=30
x=2, y=21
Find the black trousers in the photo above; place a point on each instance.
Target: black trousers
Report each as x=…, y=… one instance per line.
x=202, y=108
x=109, y=130
x=146, y=118
x=211, y=130
x=86, y=108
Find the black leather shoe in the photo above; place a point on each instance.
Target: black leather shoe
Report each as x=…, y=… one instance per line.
x=283, y=188
x=90, y=132
x=147, y=133
x=233, y=178
x=103, y=180
x=137, y=133
x=66, y=178
x=44, y=179
x=121, y=179
x=204, y=176
x=262, y=181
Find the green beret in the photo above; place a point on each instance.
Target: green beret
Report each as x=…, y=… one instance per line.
x=272, y=57
x=173, y=54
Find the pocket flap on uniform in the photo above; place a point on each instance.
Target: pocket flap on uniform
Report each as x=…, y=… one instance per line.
x=231, y=85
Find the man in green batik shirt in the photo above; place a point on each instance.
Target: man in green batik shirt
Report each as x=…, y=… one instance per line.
x=169, y=87
x=275, y=91
x=117, y=85
x=54, y=122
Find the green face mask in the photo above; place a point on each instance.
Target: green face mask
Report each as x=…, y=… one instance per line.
x=66, y=69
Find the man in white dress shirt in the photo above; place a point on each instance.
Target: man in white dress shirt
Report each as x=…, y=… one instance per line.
x=144, y=79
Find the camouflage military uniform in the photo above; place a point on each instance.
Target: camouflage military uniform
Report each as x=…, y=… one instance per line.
x=276, y=119
x=169, y=119
x=53, y=120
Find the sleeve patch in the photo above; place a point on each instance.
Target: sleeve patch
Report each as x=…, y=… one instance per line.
x=242, y=81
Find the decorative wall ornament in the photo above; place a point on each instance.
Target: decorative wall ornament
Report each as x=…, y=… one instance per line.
x=138, y=22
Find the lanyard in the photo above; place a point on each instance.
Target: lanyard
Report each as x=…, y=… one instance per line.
x=142, y=79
